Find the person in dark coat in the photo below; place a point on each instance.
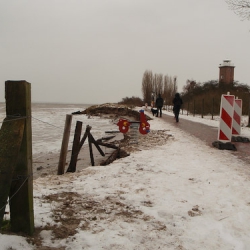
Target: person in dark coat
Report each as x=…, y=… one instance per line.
x=159, y=105
x=177, y=102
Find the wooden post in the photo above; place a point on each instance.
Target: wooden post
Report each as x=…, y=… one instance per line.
x=64, y=147
x=194, y=108
x=75, y=147
x=96, y=144
x=18, y=103
x=87, y=130
x=11, y=136
x=213, y=108
x=202, y=108
x=91, y=150
x=248, y=125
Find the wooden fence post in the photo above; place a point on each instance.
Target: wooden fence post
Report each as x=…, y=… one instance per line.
x=75, y=147
x=64, y=147
x=248, y=125
x=202, y=108
x=213, y=109
x=11, y=136
x=18, y=104
x=194, y=109
x=91, y=150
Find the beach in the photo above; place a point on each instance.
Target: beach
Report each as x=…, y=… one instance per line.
x=47, y=146
x=48, y=120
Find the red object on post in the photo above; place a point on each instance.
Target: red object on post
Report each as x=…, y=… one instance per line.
x=123, y=125
x=144, y=125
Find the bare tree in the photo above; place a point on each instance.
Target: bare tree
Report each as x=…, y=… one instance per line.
x=158, y=84
x=175, y=84
x=240, y=8
x=170, y=88
x=147, y=86
x=167, y=90
x=152, y=85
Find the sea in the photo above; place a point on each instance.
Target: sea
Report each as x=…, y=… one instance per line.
x=48, y=121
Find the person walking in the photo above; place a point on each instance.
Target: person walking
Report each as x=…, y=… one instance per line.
x=159, y=105
x=177, y=102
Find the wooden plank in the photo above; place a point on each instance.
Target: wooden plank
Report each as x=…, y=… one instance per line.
x=11, y=135
x=108, y=145
x=106, y=138
x=111, y=132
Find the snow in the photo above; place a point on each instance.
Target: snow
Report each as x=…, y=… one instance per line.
x=182, y=195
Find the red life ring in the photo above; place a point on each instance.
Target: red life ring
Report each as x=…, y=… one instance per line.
x=123, y=125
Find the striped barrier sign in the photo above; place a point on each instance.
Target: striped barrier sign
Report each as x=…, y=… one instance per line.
x=226, y=118
x=236, y=129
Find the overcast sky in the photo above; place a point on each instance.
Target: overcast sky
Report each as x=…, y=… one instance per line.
x=96, y=51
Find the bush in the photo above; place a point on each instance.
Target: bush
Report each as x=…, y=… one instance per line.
x=132, y=101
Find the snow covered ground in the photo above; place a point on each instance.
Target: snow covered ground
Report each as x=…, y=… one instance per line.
x=181, y=195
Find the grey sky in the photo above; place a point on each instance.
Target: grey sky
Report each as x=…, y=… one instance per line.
x=96, y=51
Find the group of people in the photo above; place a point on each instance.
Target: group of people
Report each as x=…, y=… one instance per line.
x=177, y=102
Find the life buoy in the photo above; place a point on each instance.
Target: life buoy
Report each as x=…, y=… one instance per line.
x=144, y=128
x=144, y=125
x=123, y=125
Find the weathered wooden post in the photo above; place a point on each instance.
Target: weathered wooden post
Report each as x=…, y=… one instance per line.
x=18, y=106
x=75, y=147
x=194, y=109
x=64, y=147
x=11, y=136
x=213, y=108
x=202, y=112
x=248, y=125
x=87, y=131
x=91, y=150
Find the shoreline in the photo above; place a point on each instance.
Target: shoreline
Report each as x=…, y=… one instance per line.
x=47, y=164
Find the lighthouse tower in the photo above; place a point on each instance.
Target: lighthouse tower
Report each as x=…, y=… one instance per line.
x=226, y=72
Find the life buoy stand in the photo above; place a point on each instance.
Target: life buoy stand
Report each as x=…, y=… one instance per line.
x=144, y=125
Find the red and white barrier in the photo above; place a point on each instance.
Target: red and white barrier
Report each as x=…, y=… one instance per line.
x=226, y=118
x=236, y=129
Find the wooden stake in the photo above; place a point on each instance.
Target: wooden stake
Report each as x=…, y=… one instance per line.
x=88, y=128
x=91, y=150
x=64, y=147
x=96, y=144
x=75, y=147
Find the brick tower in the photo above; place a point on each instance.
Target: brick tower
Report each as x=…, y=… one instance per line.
x=226, y=72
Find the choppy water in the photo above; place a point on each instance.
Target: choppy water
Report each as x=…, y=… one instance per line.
x=48, y=125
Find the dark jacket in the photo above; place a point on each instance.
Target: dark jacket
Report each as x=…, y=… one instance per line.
x=177, y=101
x=159, y=101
